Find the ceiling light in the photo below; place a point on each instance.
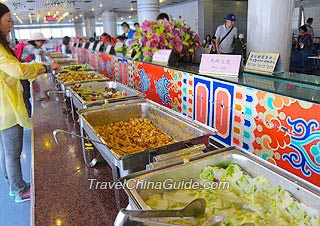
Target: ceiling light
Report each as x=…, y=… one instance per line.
x=100, y=5
x=80, y=15
x=92, y=9
x=121, y=18
x=130, y=17
x=72, y=19
x=14, y=14
x=77, y=17
x=99, y=18
x=69, y=21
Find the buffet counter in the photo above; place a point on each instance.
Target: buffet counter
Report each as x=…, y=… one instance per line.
x=61, y=193
x=276, y=118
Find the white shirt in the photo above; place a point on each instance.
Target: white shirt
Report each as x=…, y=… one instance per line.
x=226, y=45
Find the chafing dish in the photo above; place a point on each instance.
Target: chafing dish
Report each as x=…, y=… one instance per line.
x=63, y=85
x=303, y=191
x=93, y=87
x=64, y=61
x=176, y=126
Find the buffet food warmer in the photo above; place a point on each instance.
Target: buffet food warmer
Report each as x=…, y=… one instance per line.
x=177, y=127
x=56, y=55
x=64, y=61
x=64, y=79
x=267, y=177
x=69, y=78
x=97, y=93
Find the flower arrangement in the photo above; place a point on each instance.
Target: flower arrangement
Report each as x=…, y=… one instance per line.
x=176, y=35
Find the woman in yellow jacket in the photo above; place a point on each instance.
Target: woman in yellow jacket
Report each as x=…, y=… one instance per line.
x=13, y=113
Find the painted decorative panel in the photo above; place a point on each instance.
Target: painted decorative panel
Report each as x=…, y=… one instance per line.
x=222, y=111
x=93, y=59
x=245, y=100
x=202, y=98
x=159, y=84
x=187, y=93
x=281, y=130
x=288, y=134
x=106, y=65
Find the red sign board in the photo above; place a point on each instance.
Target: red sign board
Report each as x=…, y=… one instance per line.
x=51, y=18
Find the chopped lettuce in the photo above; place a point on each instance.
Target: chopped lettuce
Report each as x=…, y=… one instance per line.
x=249, y=200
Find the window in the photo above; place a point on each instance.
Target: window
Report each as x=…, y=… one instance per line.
x=58, y=31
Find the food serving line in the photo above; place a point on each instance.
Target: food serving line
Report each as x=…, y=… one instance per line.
x=184, y=157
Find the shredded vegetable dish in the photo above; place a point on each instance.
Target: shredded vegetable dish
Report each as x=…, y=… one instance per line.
x=248, y=200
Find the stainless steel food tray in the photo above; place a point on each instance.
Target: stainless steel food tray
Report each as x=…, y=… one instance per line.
x=79, y=103
x=175, y=125
x=303, y=191
x=64, y=61
x=63, y=85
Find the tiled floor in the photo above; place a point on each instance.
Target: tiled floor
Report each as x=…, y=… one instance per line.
x=11, y=213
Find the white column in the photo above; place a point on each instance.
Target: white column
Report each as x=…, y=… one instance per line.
x=90, y=27
x=148, y=10
x=78, y=28
x=270, y=27
x=109, y=21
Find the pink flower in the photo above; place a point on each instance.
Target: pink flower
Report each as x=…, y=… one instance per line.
x=146, y=26
x=147, y=53
x=176, y=43
x=153, y=42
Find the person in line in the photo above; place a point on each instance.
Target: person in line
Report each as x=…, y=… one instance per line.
x=107, y=39
x=225, y=34
x=310, y=28
x=304, y=45
x=163, y=16
x=136, y=26
x=31, y=51
x=13, y=114
x=207, y=42
x=304, y=39
x=65, y=46
x=127, y=30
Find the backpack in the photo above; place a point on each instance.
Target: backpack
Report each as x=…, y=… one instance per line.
x=19, y=50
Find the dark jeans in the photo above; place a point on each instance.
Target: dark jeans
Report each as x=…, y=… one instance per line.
x=26, y=95
x=11, y=142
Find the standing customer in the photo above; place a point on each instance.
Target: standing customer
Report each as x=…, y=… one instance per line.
x=310, y=28
x=13, y=113
x=65, y=46
x=31, y=51
x=126, y=29
x=225, y=34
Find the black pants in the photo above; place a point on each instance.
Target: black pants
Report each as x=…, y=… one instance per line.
x=26, y=95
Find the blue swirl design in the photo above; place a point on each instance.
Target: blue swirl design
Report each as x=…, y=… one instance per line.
x=101, y=65
x=162, y=89
x=144, y=80
x=108, y=67
x=301, y=159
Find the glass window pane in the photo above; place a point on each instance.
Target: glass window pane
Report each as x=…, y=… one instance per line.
x=24, y=34
x=46, y=32
x=67, y=31
x=57, y=32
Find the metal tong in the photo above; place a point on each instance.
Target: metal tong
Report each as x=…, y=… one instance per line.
x=194, y=209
